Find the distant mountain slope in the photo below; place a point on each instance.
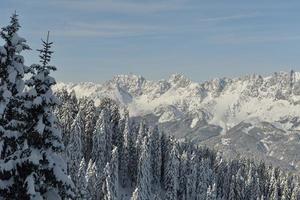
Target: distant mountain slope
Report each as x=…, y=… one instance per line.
x=253, y=115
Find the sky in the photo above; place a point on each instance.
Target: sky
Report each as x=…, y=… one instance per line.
x=97, y=39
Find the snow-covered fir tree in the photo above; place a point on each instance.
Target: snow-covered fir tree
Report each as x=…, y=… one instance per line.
x=131, y=151
x=90, y=118
x=74, y=151
x=92, y=180
x=144, y=173
x=110, y=187
x=171, y=182
x=101, y=140
x=46, y=169
x=155, y=149
x=66, y=112
x=211, y=193
x=81, y=185
x=12, y=115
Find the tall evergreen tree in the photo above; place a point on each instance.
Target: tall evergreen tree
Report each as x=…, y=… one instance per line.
x=171, y=175
x=144, y=173
x=91, y=178
x=46, y=168
x=91, y=114
x=204, y=176
x=127, y=138
x=82, y=192
x=66, y=112
x=192, y=177
x=211, y=193
x=101, y=142
x=156, y=160
x=74, y=148
x=111, y=190
x=12, y=114
x=131, y=157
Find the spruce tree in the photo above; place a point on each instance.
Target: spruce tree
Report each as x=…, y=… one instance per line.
x=101, y=149
x=74, y=148
x=171, y=174
x=204, y=177
x=156, y=160
x=211, y=193
x=192, y=177
x=144, y=173
x=91, y=114
x=111, y=190
x=124, y=171
x=82, y=192
x=46, y=169
x=12, y=112
x=92, y=179
x=135, y=195
x=132, y=159
x=101, y=142
x=66, y=112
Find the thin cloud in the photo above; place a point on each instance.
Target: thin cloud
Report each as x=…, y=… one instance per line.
x=230, y=17
x=248, y=39
x=106, y=30
x=120, y=6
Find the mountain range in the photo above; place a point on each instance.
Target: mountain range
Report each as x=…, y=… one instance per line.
x=252, y=115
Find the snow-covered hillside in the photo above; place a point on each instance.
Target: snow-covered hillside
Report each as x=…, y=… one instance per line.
x=223, y=113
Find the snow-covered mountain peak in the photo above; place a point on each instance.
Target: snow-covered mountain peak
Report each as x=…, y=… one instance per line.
x=179, y=80
x=132, y=83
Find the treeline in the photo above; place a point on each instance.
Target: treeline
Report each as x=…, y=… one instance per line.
x=122, y=158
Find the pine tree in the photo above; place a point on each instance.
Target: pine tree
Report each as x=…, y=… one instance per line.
x=128, y=140
x=273, y=190
x=255, y=194
x=111, y=183
x=285, y=194
x=192, y=177
x=295, y=193
x=135, y=195
x=183, y=175
x=155, y=148
x=171, y=175
x=12, y=112
x=91, y=178
x=101, y=142
x=204, y=177
x=239, y=185
x=66, y=112
x=109, y=190
x=144, y=173
x=101, y=149
x=232, y=192
x=142, y=132
x=211, y=193
x=82, y=183
x=91, y=114
x=74, y=148
x=132, y=159
x=45, y=168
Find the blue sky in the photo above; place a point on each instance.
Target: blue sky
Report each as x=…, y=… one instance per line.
x=96, y=39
